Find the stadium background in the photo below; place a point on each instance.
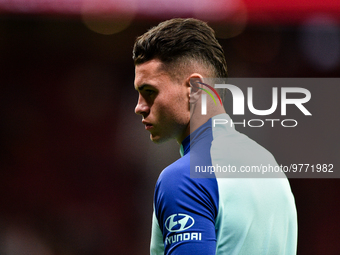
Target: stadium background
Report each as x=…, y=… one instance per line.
x=77, y=169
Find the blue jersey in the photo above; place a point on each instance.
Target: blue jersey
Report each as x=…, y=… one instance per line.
x=222, y=215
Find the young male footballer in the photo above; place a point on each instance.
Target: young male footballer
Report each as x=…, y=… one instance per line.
x=210, y=214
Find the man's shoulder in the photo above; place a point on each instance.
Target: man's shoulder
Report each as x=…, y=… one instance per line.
x=176, y=191
x=177, y=176
x=177, y=170
x=236, y=146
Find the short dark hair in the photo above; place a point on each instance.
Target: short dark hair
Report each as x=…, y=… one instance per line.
x=177, y=41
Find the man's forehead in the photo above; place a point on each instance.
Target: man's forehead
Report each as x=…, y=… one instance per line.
x=146, y=72
x=150, y=66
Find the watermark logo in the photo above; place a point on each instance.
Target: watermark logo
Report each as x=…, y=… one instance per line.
x=282, y=98
x=238, y=99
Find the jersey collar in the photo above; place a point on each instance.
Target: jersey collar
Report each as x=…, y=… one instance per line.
x=191, y=139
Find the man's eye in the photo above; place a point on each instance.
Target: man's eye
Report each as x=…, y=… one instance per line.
x=150, y=92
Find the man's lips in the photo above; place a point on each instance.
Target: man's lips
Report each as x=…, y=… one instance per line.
x=147, y=125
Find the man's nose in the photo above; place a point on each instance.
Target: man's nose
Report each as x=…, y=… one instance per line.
x=142, y=107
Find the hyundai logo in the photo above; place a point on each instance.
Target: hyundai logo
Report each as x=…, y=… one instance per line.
x=179, y=222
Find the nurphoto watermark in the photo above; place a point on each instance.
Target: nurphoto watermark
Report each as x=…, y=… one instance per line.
x=283, y=115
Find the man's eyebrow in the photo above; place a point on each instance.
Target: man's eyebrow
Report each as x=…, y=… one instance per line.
x=141, y=87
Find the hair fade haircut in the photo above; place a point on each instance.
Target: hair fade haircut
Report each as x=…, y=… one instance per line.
x=178, y=41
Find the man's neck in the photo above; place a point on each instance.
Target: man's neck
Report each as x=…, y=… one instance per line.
x=197, y=120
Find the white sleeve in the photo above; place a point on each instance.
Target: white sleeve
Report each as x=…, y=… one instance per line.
x=156, y=245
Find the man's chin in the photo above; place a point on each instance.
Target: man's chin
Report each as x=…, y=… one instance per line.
x=158, y=139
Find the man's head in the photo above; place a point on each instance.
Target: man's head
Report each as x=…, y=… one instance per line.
x=181, y=44
x=166, y=58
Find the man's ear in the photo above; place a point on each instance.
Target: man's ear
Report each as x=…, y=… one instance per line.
x=194, y=85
